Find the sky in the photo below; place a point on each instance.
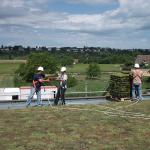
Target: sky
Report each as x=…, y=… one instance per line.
x=75, y=23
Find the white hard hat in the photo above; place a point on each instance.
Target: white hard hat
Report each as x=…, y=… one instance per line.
x=63, y=69
x=137, y=66
x=40, y=68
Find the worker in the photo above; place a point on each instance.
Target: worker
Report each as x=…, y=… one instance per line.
x=38, y=80
x=137, y=82
x=62, y=86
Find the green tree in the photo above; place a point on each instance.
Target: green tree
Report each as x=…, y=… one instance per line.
x=93, y=70
x=127, y=66
x=26, y=71
x=66, y=60
x=72, y=81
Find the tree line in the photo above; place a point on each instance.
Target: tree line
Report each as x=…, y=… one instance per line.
x=84, y=55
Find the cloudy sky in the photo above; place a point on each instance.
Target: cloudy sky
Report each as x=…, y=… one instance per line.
x=104, y=23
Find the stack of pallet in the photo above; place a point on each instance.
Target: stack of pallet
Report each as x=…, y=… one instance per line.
x=119, y=87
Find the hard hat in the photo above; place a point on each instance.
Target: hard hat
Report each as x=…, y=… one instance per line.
x=40, y=68
x=63, y=69
x=136, y=66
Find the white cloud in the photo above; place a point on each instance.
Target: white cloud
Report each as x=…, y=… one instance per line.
x=126, y=17
x=129, y=17
x=21, y=3
x=92, y=1
x=12, y=3
x=14, y=8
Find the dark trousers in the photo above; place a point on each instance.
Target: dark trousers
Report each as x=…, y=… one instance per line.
x=60, y=93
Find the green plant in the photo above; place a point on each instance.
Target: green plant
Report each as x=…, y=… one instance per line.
x=72, y=81
x=26, y=71
x=93, y=70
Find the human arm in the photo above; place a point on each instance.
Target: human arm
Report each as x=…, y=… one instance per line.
x=34, y=83
x=44, y=80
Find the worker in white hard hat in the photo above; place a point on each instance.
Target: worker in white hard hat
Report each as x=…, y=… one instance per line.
x=38, y=80
x=62, y=86
x=137, y=74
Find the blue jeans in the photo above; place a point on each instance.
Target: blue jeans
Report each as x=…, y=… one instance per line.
x=137, y=91
x=32, y=92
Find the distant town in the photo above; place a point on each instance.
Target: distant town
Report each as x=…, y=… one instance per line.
x=67, y=49
x=83, y=54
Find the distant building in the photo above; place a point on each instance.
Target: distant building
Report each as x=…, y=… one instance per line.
x=143, y=59
x=75, y=61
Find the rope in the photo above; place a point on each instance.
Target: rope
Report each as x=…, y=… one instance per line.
x=113, y=112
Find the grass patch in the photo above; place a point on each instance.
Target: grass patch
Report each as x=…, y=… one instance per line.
x=8, y=68
x=81, y=68
x=6, y=80
x=89, y=85
x=61, y=128
x=7, y=71
x=12, y=61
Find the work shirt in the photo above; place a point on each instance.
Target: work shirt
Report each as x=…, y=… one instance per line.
x=36, y=79
x=63, y=80
x=137, y=75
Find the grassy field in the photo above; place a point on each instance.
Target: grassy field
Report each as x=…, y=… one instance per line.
x=7, y=80
x=93, y=85
x=79, y=127
x=81, y=68
x=12, y=61
x=8, y=68
x=90, y=85
x=7, y=71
